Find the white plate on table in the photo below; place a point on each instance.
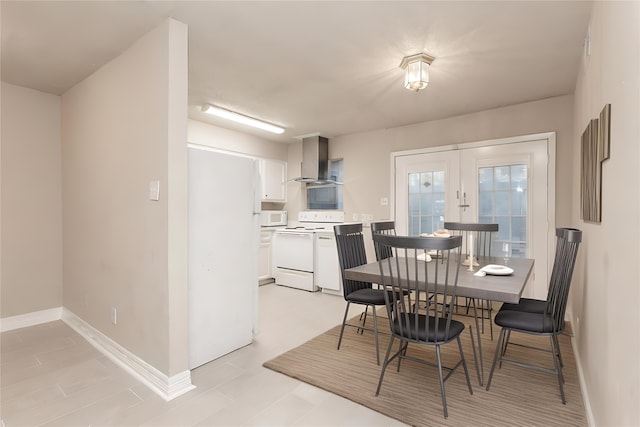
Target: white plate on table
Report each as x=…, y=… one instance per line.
x=497, y=270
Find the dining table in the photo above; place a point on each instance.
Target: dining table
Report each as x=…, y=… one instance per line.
x=501, y=286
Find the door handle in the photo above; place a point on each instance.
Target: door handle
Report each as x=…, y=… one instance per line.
x=464, y=204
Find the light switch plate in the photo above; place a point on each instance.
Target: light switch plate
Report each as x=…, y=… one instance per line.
x=154, y=190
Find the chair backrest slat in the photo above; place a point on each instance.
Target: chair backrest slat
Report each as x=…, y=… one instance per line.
x=408, y=272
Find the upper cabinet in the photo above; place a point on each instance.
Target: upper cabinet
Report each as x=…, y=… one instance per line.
x=274, y=177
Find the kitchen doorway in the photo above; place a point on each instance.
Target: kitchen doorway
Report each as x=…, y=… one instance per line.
x=509, y=181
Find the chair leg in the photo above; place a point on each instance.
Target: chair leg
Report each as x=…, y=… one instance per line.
x=385, y=364
x=464, y=365
x=496, y=356
x=558, y=370
x=444, y=397
x=363, y=319
x=490, y=310
x=555, y=337
x=503, y=350
x=344, y=321
x=402, y=351
x=375, y=333
x=475, y=355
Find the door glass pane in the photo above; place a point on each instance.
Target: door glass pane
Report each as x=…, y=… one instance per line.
x=502, y=195
x=501, y=177
x=502, y=203
x=485, y=203
x=485, y=179
x=438, y=181
x=426, y=202
x=414, y=183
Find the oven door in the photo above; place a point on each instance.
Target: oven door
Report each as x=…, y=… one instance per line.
x=293, y=250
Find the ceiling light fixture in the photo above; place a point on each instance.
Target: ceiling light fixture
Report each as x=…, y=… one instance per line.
x=239, y=118
x=416, y=76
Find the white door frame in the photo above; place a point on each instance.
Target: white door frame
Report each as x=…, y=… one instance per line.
x=550, y=137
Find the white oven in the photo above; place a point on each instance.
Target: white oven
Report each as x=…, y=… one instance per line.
x=293, y=258
x=304, y=255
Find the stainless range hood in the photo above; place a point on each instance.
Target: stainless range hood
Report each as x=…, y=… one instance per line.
x=315, y=161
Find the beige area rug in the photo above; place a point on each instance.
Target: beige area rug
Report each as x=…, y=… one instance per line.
x=518, y=396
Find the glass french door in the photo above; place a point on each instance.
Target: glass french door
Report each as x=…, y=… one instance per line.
x=428, y=187
x=504, y=184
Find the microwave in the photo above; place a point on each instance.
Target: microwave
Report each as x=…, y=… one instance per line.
x=273, y=218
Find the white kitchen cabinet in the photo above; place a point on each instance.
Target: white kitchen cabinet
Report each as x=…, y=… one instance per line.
x=327, y=266
x=264, y=256
x=274, y=177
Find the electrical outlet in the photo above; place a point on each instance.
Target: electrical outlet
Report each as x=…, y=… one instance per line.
x=384, y=201
x=114, y=315
x=355, y=217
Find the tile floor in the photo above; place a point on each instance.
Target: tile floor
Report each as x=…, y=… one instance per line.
x=53, y=377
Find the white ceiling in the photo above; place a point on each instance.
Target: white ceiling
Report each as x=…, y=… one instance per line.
x=325, y=67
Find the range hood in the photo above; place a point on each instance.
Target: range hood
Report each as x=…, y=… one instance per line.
x=315, y=161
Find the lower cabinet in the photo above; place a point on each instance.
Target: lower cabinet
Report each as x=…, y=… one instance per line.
x=264, y=257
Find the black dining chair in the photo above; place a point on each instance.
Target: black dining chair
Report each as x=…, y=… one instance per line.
x=387, y=228
x=483, y=238
x=542, y=317
x=383, y=227
x=351, y=253
x=433, y=327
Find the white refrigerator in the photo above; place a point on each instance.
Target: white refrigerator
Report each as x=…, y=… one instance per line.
x=224, y=208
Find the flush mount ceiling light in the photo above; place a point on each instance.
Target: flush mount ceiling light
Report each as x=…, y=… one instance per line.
x=239, y=118
x=416, y=76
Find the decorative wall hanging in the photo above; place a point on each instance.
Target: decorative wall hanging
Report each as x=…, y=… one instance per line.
x=595, y=147
x=604, y=130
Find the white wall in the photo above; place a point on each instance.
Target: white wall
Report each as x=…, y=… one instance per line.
x=31, y=202
x=122, y=127
x=606, y=287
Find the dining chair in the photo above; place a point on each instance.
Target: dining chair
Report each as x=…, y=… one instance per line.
x=433, y=327
x=483, y=239
x=383, y=227
x=351, y=253
x=542, y=317
x=388, y=228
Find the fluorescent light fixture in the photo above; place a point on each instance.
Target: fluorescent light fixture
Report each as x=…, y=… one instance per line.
x=239, y=118
x=417, y=71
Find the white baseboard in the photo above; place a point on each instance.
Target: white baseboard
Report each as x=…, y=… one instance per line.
x=30, y=319
x=166, y=387
x=583, y=384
